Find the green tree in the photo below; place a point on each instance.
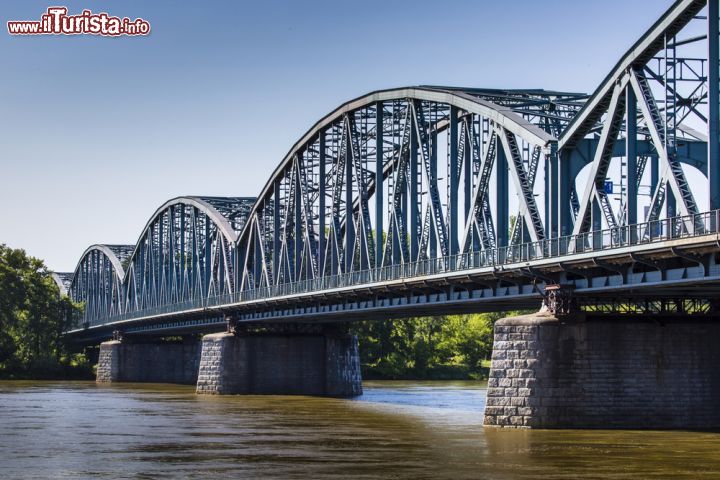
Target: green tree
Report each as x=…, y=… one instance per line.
x=452, y=346
x=33, y=316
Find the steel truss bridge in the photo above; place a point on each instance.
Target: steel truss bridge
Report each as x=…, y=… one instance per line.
x=435, y=199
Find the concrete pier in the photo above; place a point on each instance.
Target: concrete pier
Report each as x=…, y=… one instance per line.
x=624, y=372
x=157, y=362
x=324, y=364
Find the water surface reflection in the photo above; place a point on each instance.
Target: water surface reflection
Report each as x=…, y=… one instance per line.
x=396, y=430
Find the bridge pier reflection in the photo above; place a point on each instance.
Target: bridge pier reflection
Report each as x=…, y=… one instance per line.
x=281, y=359
x=584, y=371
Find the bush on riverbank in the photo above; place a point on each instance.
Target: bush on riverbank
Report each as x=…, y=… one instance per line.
x=33, y=316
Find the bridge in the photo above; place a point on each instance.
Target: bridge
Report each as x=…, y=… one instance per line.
x=605, y=208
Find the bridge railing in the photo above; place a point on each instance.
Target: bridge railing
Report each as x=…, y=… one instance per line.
x=599, y=240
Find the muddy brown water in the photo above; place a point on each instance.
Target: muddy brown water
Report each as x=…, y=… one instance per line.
x=408, y=430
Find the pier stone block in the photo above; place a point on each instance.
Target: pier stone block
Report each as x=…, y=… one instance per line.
x=282, y=364
x=108, y=367
x=156, y=362
x=625, y=372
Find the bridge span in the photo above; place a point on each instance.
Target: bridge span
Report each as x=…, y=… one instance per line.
x=604, y=208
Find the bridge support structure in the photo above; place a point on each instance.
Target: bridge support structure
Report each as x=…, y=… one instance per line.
x=572, y=371
x=286, y=359
x=133, y=360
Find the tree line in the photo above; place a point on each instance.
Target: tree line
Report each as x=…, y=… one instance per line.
x=437, y=347
x=33, y=316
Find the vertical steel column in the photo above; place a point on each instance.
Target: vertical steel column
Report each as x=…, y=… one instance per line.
x=554, y=191
x=192, y=285
x=321, y=206
x=548, y=195
x=160, y=260
x=257, y=260
x=654, y=174
x=631, y=155
x=596, y=215
x=503, y=212
x=240, y=255
x=564, y=182
x=91, y=268
x=433, y=168
x=453, y=181
x=714, y=103
x=399, y=243
x=468, y=171
x=170, y=268
x=379, y=185
x=208, y=256
x=298, y=238
x=183, y=269
x=671, y=203
x=412, y=211
x=349, y=218
x=276, y=231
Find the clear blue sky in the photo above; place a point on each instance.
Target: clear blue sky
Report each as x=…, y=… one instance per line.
x=96, y=133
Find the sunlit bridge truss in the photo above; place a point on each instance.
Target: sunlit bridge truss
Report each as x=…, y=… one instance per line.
x=439, y=199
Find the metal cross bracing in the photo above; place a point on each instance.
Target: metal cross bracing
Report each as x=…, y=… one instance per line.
x=98, y=280
x=63, y=280
x=375, y=168
x=663, y=306
x=437, y=179
x=186, y=252
x=645, y=124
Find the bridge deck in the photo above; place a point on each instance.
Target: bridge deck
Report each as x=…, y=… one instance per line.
x=667, y=259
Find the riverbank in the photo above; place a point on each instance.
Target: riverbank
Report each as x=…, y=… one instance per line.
x=438, y=372
x=74, y=367
x=80, y=369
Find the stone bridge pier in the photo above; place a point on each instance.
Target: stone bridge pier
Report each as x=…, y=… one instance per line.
x=280, y=359
x=560, y=369
x=149, y=360
x=284, y=359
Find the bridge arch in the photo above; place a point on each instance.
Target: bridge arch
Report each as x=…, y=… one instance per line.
x=63, y=280
x=185, y=251
x=362, y=187
x=98, y=280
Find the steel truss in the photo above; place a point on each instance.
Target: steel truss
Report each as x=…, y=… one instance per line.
x=374, y=166
x=425, y=177
x=645, y=121
x=98, y=280
x=186, y=251
x=63, y=280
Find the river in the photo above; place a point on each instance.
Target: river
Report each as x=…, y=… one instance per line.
x=413, y=430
